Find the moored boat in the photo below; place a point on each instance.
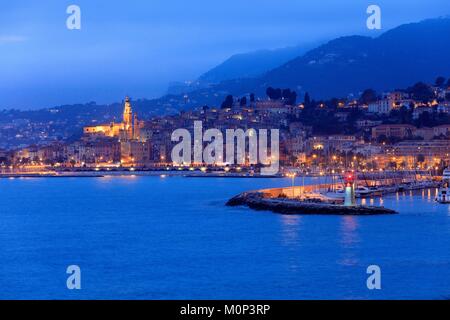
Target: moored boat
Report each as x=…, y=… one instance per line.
x=444, y=191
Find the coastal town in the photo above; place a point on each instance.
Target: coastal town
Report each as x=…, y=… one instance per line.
x=225, y=158
x=405, y=129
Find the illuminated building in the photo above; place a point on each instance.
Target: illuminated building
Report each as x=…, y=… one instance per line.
x=128, y=129
x=134, y=149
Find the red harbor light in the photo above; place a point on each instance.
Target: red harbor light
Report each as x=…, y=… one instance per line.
x=349, y=177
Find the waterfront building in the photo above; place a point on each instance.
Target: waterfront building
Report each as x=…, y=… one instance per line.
x=426, y=152
x=92, y=151
x=106, y=151
x=134, y=152
x=28, y=154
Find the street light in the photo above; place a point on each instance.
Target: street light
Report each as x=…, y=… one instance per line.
x=303, y=183
x=292, y=175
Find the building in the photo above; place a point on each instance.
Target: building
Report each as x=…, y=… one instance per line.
x=365, y=123
x=443, y=130
x=421, y=109
x=397, y=96
x=330, y=144
x=368, y=150
x=128, y=129
x=443, y=107
x=271, y=106
x=106, y=151
x=295, y=146
x=135, y=152
x=400, y=131
x=426, y=152
x=425, y=133
x=383, y=106
x=5, y=157
x=134, y=149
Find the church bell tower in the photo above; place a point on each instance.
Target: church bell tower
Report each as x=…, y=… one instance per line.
x=127, y=114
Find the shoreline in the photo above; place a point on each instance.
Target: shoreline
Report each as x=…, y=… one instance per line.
x=140, y=173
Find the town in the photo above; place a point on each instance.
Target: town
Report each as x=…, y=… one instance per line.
x=407, y=129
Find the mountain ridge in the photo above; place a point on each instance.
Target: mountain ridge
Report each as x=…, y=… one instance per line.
x=350, y=64
x=253, y=63
x=346, y=65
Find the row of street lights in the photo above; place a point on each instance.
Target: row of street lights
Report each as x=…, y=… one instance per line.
x=293, y=175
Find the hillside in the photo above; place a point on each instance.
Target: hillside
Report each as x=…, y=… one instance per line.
x=252, y=64
x=347, y=65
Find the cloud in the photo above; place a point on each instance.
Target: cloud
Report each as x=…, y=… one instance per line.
x=5, y=39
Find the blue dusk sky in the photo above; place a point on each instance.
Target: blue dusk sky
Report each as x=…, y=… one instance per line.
x=137, y=47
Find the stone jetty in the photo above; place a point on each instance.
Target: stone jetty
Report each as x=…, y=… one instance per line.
x=261, y=200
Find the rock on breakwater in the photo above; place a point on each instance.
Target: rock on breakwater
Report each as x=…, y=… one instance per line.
x=259, y=201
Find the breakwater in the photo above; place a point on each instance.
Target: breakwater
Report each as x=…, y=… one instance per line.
x=275, y=200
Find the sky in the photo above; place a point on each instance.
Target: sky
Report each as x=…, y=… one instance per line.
x=137, y=47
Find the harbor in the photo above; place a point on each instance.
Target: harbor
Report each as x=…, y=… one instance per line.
x=264, y=201
x=339, y=196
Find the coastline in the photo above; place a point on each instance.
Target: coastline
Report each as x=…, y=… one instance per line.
x=135, y=172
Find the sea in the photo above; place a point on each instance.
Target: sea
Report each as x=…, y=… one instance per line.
x=162, y=237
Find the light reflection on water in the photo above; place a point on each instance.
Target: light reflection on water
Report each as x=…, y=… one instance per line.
x=290, y=228
x=429, y=195
x=349, y=238
x=349, y=226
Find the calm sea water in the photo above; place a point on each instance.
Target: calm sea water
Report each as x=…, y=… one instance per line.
x=173, y=238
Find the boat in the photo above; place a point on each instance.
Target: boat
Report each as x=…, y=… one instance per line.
x=446, y=175
x=334, y=196
x=362, y=191
x=444, y=191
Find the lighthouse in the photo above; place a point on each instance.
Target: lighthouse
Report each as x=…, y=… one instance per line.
x=350, y=186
